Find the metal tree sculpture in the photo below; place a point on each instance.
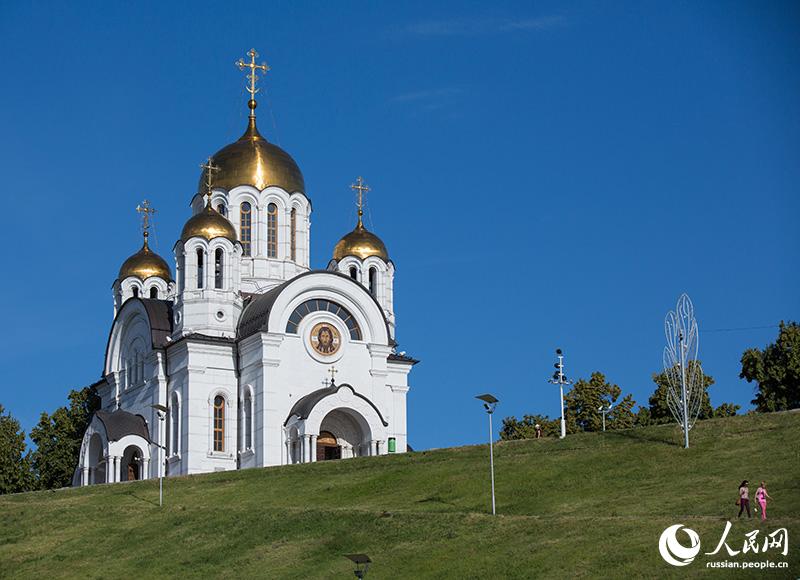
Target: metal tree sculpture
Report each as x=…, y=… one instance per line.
x=684, y=375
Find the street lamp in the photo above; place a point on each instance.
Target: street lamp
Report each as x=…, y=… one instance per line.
x=359, y=560
x=604, y=410
x=162, y=411
x=489, y=403
x=560, y=379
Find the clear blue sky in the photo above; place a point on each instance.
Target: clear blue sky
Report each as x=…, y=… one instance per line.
x=545, y=175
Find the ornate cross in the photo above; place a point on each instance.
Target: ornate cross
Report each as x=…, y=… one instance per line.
x=210, y=168
x=333, y=372
x=361, y=188
x=252, y=77
x=146, y=211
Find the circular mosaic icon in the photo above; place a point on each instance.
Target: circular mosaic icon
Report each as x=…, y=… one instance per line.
x=325, y=339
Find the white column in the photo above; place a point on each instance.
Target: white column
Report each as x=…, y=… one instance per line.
x=314, y=448
x=373, y=445
x=85, y=476
x=146, y=468
x=288, y=451
x=306, y=448
x=109, y=469
x=378, y=447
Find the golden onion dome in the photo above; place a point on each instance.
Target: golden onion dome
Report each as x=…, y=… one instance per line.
x=252, y=160
x=145, y=264
x=360, y=243
x=208, y=224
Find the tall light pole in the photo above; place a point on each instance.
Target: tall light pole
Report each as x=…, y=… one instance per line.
x=161, y=411
x=489, y=403
x=560, y=379
x=604, y=410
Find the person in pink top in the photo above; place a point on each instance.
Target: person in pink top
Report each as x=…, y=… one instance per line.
x=761, y=497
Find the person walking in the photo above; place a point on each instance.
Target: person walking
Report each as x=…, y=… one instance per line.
x=761, y=497
x=744, y=498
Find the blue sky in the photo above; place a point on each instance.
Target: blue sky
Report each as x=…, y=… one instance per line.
x=544, y=175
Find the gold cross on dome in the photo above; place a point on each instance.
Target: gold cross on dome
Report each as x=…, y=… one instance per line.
x=210, y=168
x=361, y=188
x=254, y=68
x=146, y=211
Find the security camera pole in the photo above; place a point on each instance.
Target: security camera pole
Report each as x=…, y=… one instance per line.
x=560, y=379
x=489, y=403
x=162, y=411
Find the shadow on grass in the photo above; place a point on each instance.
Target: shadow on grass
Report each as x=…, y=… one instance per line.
x=140, y=498
x=645, y=435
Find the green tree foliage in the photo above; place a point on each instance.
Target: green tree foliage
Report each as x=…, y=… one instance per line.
x=585, y=398
x=643, y=418
x=726, y=410
x=58, y=439
x=622, y=415
x=659, y=411
x=526, y=428
x=776, y=369
x=15, y=464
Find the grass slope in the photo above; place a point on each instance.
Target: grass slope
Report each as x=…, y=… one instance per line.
x=592, y=505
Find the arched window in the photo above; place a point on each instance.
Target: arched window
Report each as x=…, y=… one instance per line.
x=353, y=272
x=310, y=306
x=293, y=234
x=154, y=293
x=219, y=423
x=135, y=291
x=222, y=209
x=246, y=228
x=218, y=268
x=373, y=281
x=272, y=231
x=200, y=269
x=175, y=414
x=248, y=421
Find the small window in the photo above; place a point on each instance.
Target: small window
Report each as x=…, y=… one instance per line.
x=246, y=228
x=135, y=291
x=222, y=209
x=373, y=281
x=353, y=273
x=272, y=231
x=200, y=269
x=219, y=423
x=175, y=413
x=293, y=233
x=218, y=268
x=154, y=293
x=248, y=421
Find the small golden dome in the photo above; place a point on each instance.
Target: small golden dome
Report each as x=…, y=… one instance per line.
x=252, y=160
x=362, y=244
x=208, y=224
x=145, y=264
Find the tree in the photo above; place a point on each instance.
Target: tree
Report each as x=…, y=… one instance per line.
x=726, y=410
x=15, y=464
x=58, y=439
x=659, y=408
x=776, y=369
x=622, y=415
x=583, y=401
x=643, y=418
x=525, y=429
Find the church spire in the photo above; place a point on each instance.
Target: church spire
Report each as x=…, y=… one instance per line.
x=210, y=168
x=362, y=188
x=253, y=78
x=146, y=211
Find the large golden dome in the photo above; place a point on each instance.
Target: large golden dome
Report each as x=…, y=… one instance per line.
x=145, y=264
x=362, y=244
x=252, y=160
x=208, y=224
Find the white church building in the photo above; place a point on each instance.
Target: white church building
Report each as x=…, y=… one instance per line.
x=246, y=357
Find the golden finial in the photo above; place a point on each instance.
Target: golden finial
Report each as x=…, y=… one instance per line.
x=361, y=188
x=145, y=210
x=209, y=167
x=252, y=77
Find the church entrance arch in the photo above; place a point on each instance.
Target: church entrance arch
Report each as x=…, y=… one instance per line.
x=132, y=464
x=328, y=447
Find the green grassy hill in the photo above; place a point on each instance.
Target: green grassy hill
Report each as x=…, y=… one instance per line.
x=593, y=505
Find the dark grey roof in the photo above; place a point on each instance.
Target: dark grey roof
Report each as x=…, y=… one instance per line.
x=402, y=358
x=303, y=407
x=120, y=423
x=255, y=317
x=160, y=314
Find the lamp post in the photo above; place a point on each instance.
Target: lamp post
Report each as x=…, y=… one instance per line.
x=162, y=411
x=560, y=379
x=604, y=410
x=489, y=403
x=362, y=563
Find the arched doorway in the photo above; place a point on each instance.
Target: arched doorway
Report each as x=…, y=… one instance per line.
x=132, y=464
x=327, y=447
